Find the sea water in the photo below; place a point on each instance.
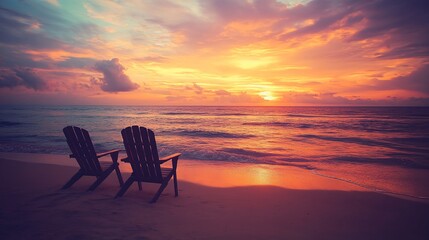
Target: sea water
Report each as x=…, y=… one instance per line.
x=381, y=148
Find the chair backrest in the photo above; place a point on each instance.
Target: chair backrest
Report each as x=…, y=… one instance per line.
x=82, y=150
x=142, y=153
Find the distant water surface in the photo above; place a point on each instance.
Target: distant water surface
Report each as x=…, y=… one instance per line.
x=385, y=148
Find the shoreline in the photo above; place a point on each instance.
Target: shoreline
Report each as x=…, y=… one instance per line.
x=33, y=207
x=230, y=174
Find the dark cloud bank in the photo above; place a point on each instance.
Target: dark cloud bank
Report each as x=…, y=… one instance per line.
x=26, y=77
x=416, y=81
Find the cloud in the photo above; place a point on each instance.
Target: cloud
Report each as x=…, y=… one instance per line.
x=114, y=79
x=334, y=99
x=151, y=59
x=13, y=57
x=26, y=77
x=416, y=81
x=222, y=92
x=401, y=24
x=76, y=62
x=242, y=98
x=319, y=99
x=404, y=22
x=198, y=89
x=323, y=13
x=22, y=30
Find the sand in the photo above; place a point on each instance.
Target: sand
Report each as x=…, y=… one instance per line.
x=214, y=203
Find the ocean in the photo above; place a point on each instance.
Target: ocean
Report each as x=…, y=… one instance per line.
x=381, y=148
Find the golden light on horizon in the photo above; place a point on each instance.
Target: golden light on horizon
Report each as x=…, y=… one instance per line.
x=268, y=96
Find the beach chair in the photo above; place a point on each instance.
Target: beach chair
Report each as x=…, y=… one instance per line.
x=142, y=154
x=83, y=151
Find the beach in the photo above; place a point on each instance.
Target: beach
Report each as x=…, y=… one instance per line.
x=293, y=119
x=308, y=207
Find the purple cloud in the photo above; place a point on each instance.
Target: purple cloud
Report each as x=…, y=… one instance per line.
x=26, y=77
x=401, y=23
x=416, y=81
x=405, y=24
x=114, y=79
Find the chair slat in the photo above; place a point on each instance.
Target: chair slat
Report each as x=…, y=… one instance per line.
x=93, y=155
x=127, y=137
x=86, y=152
x=140, y=151
x=74, y=145
x=154, y=153
x=148, y=152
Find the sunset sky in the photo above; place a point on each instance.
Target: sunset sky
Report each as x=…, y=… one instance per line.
x=215, y=52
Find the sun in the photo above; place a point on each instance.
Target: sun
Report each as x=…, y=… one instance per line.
x=268, y=96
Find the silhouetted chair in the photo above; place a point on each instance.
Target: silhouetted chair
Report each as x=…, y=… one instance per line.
x=142, y=154
x=83, y=151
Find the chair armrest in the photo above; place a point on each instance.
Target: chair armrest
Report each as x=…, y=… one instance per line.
x=99, y=155
x=169, y=157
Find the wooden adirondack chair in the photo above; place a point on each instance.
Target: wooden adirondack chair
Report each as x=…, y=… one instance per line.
x=83, y=151
x=142, y=154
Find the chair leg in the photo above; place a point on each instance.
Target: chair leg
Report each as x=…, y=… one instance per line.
x=140, y=185
x=158, y=193
x=176, y=190
x=114, y=157
x=100, y=179
x=125, y=187
x=118, y=173
x=73, y=179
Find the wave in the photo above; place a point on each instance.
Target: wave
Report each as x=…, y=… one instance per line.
x=205, y=114
x=184, y=121
x=9, y=123
x=248, y=152
x=231, y=114
x=412, y=141
x=277, y=124
x=207, y=155
x=283, y=124
x=381, y=161
x=208, y=134
x=294, y=159
x=12, y=137
x=32, y=138
x=22, y=147
x=184, y=113
x=302, y=115
x=366, y=142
